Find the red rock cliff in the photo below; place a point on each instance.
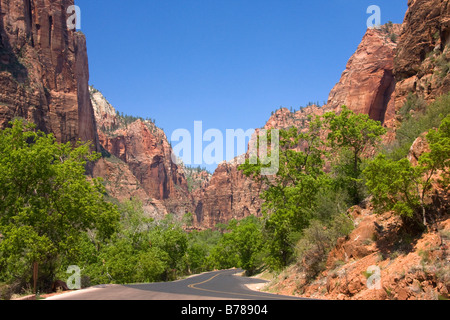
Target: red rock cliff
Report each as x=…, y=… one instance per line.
x=422, y=60
x=368, y=81
x=140, y=152
x=44, y=70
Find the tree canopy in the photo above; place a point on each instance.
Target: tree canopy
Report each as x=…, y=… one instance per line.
x=46, y=201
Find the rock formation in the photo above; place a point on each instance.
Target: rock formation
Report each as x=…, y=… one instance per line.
x=229, y=195
x=422, y=60
x=44, y=70
x=137, y=161
x=368, y=81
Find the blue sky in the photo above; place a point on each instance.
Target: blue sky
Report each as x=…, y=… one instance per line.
x=228, y=63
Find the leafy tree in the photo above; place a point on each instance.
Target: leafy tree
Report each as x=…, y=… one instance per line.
x=171, y=239
x=224, y=255
x=46, y=202
x=439, y=156
x=394, y=185
x=120, y=262
x=240, y=246
x=290, y=196
x=246, y=236
x=200, y=245
x=188, y=219
x=403, y=188
x=133, y=223
x=356, y=133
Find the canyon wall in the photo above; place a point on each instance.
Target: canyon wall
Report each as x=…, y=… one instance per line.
x=422, y=59
x=368, y=81
x=137, y=162
x=44, y=70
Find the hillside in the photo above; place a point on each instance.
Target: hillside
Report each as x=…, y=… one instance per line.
x=380, y=259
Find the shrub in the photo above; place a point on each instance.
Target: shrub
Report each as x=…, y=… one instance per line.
x=318, y=240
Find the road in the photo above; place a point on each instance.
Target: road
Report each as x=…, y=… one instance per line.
x=218, y=285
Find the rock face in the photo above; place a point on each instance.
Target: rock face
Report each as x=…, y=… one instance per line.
x=422, y=60
x=229, y=195
x=44, y=70
x=368, y=81
x=426, y=28
x=138, y=150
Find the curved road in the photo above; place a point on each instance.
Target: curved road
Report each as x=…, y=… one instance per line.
x=218, y=285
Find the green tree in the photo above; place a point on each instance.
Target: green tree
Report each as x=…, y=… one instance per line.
x=224, y=255
x=200, y=245
x=404, y=188
x=46, y=202
x=290, y=197
x=249, y=243
x=357, y=134
x=169, y=237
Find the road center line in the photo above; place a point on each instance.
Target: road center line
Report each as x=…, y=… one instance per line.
x=193, y=286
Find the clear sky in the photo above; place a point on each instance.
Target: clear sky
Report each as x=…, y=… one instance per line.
x=228, y=63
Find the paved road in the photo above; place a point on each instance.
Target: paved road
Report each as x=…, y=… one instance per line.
x=218, y=285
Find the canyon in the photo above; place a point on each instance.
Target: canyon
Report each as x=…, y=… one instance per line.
x=44, y=78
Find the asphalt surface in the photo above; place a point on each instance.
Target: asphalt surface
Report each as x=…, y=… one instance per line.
x=218, y=285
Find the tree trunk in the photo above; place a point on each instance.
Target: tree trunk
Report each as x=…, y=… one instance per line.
x=35, y=276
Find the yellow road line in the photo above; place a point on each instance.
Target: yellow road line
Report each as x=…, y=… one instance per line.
x=193, y=286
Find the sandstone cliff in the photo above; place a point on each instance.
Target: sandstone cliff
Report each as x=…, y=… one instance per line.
x=422, y=59
x=229, y=195
x=368, y=81
x=44, y=70
x=137, y=162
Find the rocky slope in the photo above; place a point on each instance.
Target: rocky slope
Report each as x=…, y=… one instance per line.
x=44, y=70
x=408, y=267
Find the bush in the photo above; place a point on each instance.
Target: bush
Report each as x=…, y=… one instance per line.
x=5, y=291
x=318, y=240
x=413, y=104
